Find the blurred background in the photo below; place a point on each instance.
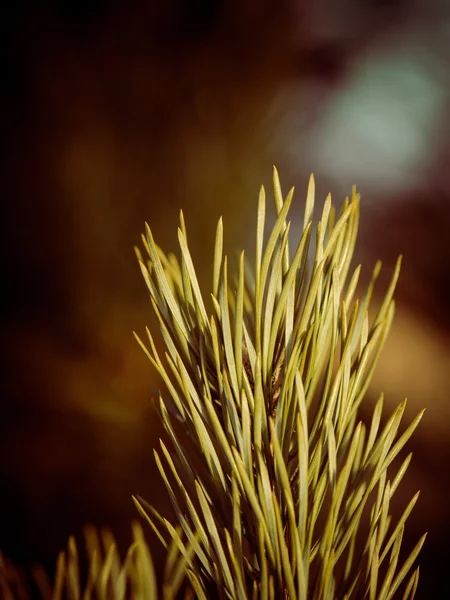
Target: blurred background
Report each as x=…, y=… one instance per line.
x=115, y=113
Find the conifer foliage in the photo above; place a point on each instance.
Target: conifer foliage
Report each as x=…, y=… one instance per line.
x=289, y=496
x=280, y=490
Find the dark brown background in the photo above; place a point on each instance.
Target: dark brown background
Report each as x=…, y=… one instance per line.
x=113, y=113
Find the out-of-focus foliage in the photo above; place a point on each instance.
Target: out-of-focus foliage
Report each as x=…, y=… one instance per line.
x=108, y=578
